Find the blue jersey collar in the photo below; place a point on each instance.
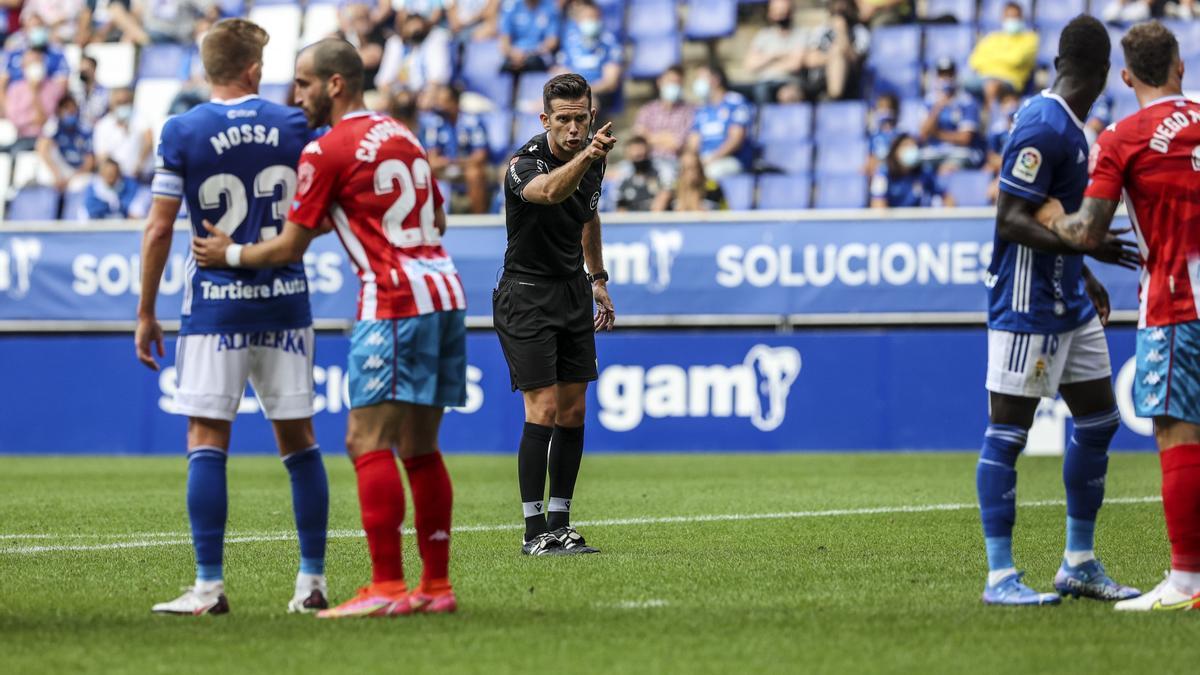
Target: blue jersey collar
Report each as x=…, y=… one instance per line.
x=1051, y=95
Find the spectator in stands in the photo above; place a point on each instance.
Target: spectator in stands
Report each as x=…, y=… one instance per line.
x=642, y=181
x=997, y=138
x=173, y=21
x=472, y=19
x=90, y=95
x=195, y=89
x=355, y=25
x=1003, y=60
x=776, y=53
x=109, y=194
x=431, y=10
x=881, y=130
x=1133, y=11
x=1099, y=117
x=886, y=12
x=60, y=17
x=33, y=82
x=666, y=121
x=832, y=64
x=66, y=147
x=951, y=127
x=720, y=131
x=122, y=138
x=457, y=145
x=10, y=18
x=693, y=190
x=594, y=53
x=903, y=180
x=529, y=35
x=417, y=57
x=112, y=20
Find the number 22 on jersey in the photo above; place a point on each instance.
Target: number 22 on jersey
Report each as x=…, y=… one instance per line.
x=420, y=176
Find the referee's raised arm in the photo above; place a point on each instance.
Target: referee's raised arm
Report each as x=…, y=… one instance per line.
x=556, y=186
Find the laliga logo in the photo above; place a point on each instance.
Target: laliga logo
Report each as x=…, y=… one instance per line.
x=756, y=389
x=16, y=265
x=647, y=262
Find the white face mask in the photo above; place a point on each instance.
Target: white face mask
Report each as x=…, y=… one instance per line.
x=671, y=92
x=701, y=88
x=1013, y=26
x=909, y=156
x=589, y=28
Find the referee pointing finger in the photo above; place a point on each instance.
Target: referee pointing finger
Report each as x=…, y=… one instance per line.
x=542, y=306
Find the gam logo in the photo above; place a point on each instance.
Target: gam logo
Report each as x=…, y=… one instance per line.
x=756, y=389
x=645, y=263
x=17, y=260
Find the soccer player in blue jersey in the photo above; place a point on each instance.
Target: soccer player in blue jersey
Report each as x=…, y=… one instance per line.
x=1045, y=328
x=233, y=160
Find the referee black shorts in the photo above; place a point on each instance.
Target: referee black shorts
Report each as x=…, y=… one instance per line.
x=546, y=329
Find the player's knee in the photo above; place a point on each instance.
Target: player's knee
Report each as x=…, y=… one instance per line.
x=571, y=415
x=1096, y=431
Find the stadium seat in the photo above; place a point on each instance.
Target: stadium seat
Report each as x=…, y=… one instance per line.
x=75, y=206
x=792, y=121
x=990, y=11
x=912, y=114
x=34, y=203
x=320, y=21
x=785, y=191
x=789, y=156
x=276, y=93
x=651, y=18
x=845, y=191
x=481, y=71
x=841, y=155
x=528, y=126
x=529, y=91
x=895, y=60
x=710, y=19
x=652, y=56
x=952, y=42
x=612, y=13
x=1054, y=14
x=1048, y=46
x=738, y=191
x=1125, y=102
x=968, y=188
x=841, y=120
x=499, y=131
x=963, y=11
x=161, y=61
x=283, y=25
x=5, y=181
x=152, y=98
x=114, y=63
x=28, y=169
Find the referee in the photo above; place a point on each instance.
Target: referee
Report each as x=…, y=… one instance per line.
x=542, y=307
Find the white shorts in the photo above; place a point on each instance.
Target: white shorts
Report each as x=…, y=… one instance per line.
x=1033, y=365
x=212, y=371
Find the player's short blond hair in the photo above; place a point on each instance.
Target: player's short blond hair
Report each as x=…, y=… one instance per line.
x=230, y=47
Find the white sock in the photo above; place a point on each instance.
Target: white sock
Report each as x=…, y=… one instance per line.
x=309, y=581
x=202, y=587
x=1185, y=582
x=1077, y=558
x=996, y=576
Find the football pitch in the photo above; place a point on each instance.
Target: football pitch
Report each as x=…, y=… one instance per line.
x=711, y=563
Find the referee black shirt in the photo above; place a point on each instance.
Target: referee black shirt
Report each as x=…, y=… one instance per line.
x=546, y=240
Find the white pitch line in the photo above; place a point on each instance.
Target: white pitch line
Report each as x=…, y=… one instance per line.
x=183, y=538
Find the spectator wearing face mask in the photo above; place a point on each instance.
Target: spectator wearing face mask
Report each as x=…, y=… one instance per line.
x=121, y=137
x=529, y=35
x=903, y=180
x=951, y=127
x=109, y=194
x=88, y=93
x=416, y=58
x=66, y=147
x=60, y=17
x=667, y=120
x=1005, y=59
x=355, y=25
x=881, y=130
x=776, y=53
x=34, y=80
x=457, y=145
x=593, y=53
x=642, y=181
x=720, y=131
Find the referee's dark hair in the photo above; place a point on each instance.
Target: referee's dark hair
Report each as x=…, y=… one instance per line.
x=566, y=87
x=1150, y=51
x=334, y=56
x=1084, y=48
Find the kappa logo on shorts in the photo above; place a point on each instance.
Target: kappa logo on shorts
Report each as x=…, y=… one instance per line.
x=375, y=340
x=373, y=362
x=375, y=384
x=1029, y=162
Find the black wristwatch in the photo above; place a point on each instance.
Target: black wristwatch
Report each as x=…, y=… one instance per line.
x=602, y=275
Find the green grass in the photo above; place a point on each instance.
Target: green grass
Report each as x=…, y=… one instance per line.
x=894, y=592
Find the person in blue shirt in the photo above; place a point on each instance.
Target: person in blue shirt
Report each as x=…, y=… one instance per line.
x=592, y=52
x=66, y=147
x=882, y=130
x=457, y=145
x=1046, y=314
x=1099, y=117
x=903, y=180
x=720, y=129
x=529, y=32
x=109, y=194
x=951, y=128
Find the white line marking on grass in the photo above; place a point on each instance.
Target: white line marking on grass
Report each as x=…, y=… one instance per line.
x=183, y=538
x=635, y=604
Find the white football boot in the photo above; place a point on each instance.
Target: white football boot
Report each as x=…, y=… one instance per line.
x=203, y=598
x=311, y=594
x=1164, y=597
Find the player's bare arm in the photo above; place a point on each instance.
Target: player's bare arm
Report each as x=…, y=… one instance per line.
x=156, y=248
x=556, y=186
x=1098, y=294
x=218, y=250
x=593, y=256
x=1089, y=229
x=1017, y=221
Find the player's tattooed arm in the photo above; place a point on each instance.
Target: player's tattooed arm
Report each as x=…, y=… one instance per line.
x=593, y=255
x=219, y=250
x=1088, y=230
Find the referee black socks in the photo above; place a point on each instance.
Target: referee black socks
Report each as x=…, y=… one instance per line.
x=531, y=476
x=566, y=454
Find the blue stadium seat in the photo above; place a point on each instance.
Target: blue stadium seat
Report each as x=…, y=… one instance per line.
x=499, y=130
x=529, y=90
x=277, y=93
x=528, y=126
x=1048, y=46
x=841, y=155
x=738, y=191
x=481, y=71
x=709, y=19
x=787, y=121
x=34, y=202
x=841, y=120
x=952, y=42
x=651, y=18
x=840, y=191
x=232, y=7
x=612, y=13
x=75, y=206
x=790, y=156
x=912, y=114
x=962, y=10
x=895, y=60
x=968, y=188
x=161, y=61
x=785, y=191
x=652, y=56
x=1058, y=13
x=990, y=11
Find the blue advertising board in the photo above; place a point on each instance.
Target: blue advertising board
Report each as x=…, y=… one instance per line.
x=673, y=391
x=768, y=267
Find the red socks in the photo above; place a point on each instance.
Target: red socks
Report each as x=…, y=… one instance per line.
x=381, y=497
x=1181, y=502
x=433, y=499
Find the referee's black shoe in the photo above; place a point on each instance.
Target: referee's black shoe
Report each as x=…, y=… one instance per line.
x=543, y=544
x=572, y=542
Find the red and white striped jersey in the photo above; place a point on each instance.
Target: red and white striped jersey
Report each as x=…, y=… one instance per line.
x=370, y=175
x=1152, y=158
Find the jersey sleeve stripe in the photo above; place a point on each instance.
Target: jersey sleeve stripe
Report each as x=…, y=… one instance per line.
x=1022, y=188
